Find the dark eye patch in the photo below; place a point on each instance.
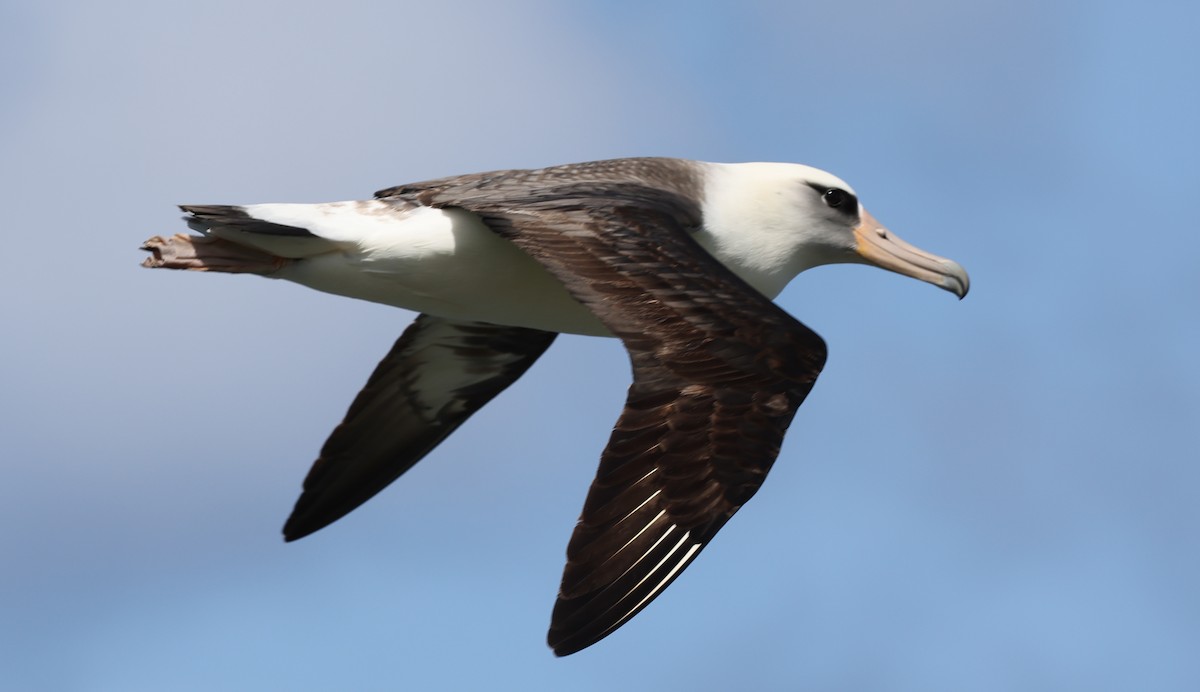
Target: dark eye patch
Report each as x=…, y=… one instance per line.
x=836, y=198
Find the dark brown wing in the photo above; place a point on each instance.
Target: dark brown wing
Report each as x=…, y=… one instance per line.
x=719, y=371
x=437, y=375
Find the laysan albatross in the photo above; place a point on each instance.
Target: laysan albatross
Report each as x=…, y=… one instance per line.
x=679, y=259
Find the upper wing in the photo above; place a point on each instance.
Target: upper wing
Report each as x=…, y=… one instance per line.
x=719, y=371
x=437, y=375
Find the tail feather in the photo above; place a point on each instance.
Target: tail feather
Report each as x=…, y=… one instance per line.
x=264, y=238
x=207, y=253
x=206, y=218
x=244, y=226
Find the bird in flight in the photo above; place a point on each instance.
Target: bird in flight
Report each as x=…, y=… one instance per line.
x=678, y=259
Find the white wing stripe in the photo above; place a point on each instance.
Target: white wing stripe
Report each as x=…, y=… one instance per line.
x=658, y=587
x=662, y=582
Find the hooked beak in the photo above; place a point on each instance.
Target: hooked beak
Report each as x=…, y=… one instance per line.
x=878, y=246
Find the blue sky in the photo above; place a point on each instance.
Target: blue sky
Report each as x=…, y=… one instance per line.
x=995, y=494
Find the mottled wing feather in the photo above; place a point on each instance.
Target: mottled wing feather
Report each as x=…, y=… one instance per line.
x=719, y=370
x=437, y=375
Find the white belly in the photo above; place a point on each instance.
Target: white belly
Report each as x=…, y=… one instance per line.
x=442, y=262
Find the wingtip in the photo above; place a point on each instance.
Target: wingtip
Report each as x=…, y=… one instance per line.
x=294, y=529
x=572, y=642
x=563, y=646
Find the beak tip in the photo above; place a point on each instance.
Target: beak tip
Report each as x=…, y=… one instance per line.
x=955, y=279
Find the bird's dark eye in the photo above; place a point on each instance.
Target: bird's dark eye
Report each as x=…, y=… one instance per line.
x=836, y=198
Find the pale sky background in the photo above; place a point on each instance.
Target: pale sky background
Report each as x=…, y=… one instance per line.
x=997, y=494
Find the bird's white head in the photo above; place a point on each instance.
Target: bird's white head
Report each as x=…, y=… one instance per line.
x=770, y=221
